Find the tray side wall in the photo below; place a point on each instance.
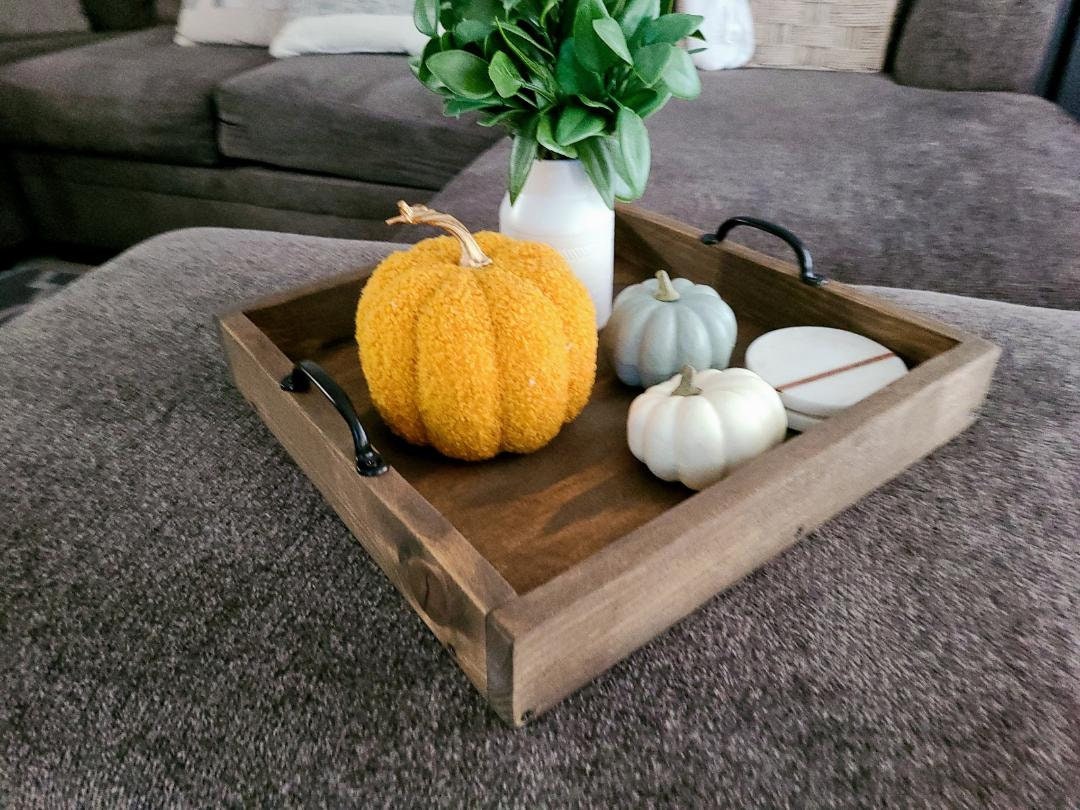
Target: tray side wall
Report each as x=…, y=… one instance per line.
x=769, y=292
x=448, y=585
x=562, y=635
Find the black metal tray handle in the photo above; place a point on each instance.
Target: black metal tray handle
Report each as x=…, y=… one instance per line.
x=368, y=461
x=806, y=262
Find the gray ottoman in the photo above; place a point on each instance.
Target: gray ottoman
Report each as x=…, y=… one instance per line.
x=184, y=622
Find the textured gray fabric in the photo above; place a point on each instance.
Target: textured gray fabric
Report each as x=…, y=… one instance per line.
x=13, y=49
x=977, y=44
x=13, y=226
x=969, y=193
x=360, y=116
x=187, y=623
x=42, y=17
x=135, y=95
x=110, y=203
x=1069, y=90
x=168, y=10
x=119, y=15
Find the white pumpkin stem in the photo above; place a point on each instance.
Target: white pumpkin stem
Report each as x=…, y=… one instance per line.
x=665, y=290
x=686, y=387
x=471, y=253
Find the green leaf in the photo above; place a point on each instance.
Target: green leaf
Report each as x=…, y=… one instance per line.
x=635, y=13
x=547, y=140
x=573, y=78
x=680, y=75
x=645, y=102
x=523, y=37
x=598, y=162
x=634, y=155
x=520, y=47
x=549, y=6
x=670, y=28
x=608, y=30
x=504, y=75
x=598, y=105
x=622, y=190
x=650, y=61
x=590, y=49
x=467, y=32
x=463, y=72
x=513, y=120
x=426, y=17
x=454, y=107
x=522, y=155
x=577, y=123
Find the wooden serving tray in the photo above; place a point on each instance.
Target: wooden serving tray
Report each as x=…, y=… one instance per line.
x=539, y=572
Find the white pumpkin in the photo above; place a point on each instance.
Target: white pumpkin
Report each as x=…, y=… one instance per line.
x=699, y=425
x=663, y=324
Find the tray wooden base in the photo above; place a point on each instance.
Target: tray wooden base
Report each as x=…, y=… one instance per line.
x=538, y=572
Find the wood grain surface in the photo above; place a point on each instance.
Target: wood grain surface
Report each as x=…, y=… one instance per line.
x=541, y=571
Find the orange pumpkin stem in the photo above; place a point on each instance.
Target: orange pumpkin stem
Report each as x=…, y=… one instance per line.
x=471, y=254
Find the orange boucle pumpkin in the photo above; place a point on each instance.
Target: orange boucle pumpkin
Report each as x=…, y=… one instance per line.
x=476, y=345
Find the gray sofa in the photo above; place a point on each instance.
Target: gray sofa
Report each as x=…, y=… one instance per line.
x=951, y=171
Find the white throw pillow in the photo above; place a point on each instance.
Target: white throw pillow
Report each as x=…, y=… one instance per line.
x=348, y=33
x=348, y=26
x=230, y=22
x=729, y=33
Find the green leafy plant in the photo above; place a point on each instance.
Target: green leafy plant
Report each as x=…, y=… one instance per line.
x=568, y=79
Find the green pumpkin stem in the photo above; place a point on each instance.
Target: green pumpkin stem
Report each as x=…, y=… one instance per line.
x=471, y=253
x=686, y=387
x=665, y=290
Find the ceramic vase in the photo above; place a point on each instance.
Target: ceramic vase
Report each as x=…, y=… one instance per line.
x=560, y=206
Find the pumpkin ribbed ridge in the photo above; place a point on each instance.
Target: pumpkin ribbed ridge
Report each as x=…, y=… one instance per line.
x=475, y=361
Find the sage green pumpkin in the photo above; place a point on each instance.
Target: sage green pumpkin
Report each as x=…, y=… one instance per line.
x=663, y=324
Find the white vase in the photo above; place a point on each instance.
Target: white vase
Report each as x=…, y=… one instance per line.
x=560, y=207
x=729, y=33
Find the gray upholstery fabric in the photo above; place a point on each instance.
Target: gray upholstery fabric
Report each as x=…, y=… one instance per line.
x=977, y=44
x=12, y=49
x=13, y=225
x=1069, y=90
x=188, y=624
x=42, y=17
x=969, y=193
x=360, y=116
x=168, y=10
x=119, y=15
x=110, y=203
x=135, y=95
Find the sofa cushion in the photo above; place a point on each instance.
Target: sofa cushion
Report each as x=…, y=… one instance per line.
x=112, y=203
x=188, y=623
x=42, y=17
x=969, y=193
x=119, y=15
x=168, y=10
x=136, y=95
x=977, y=44
x=12, y=49
x=13, y=225
x=360, y=116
